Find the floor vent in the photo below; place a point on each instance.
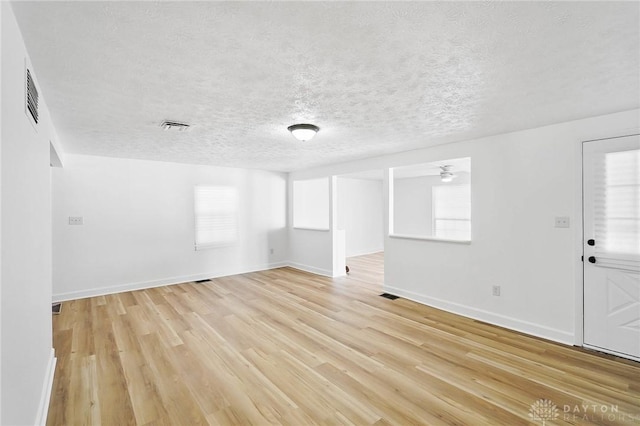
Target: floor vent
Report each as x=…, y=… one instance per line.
x=202, y=281
x=389, y=296
x=56, y=308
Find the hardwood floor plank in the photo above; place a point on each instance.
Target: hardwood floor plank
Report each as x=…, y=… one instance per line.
x=84, y=406
x=287, y=347
x=145, y=398
x=109, y=373
x=176, y=398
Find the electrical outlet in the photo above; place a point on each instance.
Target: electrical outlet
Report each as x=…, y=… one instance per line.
x=76, y=220
x=496, y=290
x=562, y=222
x=270, y=251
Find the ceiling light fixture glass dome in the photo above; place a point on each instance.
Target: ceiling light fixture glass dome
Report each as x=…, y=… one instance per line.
x=303, y=132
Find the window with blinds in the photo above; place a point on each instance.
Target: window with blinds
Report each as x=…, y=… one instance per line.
x=452, y=211
x=617, y=202
x=216, y=216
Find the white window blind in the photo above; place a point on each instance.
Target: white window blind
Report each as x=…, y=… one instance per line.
x=452, y=211
x=617, y=203
x=216, y=216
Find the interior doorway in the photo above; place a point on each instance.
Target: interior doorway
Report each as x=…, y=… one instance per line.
x=360, y=216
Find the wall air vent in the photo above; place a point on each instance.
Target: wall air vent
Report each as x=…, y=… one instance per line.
x=32, y=97
x=174, y=126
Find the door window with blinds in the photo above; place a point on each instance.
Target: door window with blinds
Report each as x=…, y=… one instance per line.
x=431, y=201
x=216, y=216
x=617, y=202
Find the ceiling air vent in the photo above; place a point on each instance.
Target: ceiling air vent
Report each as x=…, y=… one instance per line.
x=32, y=97
x=174, y=126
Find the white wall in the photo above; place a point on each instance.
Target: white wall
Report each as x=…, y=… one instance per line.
x=360, y=215
x=25, y=314
x=412, y=211
x=520, y=182
x=318, y=251
x=139, y=224
x=314, y=250
x=311, y=204
x=310, y=250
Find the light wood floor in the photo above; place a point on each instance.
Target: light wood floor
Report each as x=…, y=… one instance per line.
x=287, y=347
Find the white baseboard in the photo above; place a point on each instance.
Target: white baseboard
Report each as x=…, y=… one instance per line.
x=608, y=351
x=103, y=291
x=312, y=269
x=526, y=327
x=365, y=252
x=45, y=396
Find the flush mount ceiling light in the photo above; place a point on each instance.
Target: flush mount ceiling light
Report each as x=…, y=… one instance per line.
x=446, y=175
x=303, y=132
x=174, y=126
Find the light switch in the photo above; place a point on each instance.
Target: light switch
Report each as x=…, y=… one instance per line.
x=76, y=220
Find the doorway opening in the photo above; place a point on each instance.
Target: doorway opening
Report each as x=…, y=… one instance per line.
x=360, y=218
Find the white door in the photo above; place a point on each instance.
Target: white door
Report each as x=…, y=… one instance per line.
x=611, y=207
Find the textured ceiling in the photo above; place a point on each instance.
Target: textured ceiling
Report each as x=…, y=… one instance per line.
x=377, y=77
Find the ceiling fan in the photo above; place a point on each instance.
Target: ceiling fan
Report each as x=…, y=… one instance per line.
x=446, y=173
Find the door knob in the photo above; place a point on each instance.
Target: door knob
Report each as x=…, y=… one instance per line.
x=592, y=259
x=591, y=242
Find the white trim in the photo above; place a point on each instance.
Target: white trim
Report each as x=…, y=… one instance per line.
x=578, y=249
x=102, y=291
x=427, y=238
x=366, y=252
x=306, y=228
x=45, y=396
x=608, y=351
x=533, y=329
x=311, y=269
